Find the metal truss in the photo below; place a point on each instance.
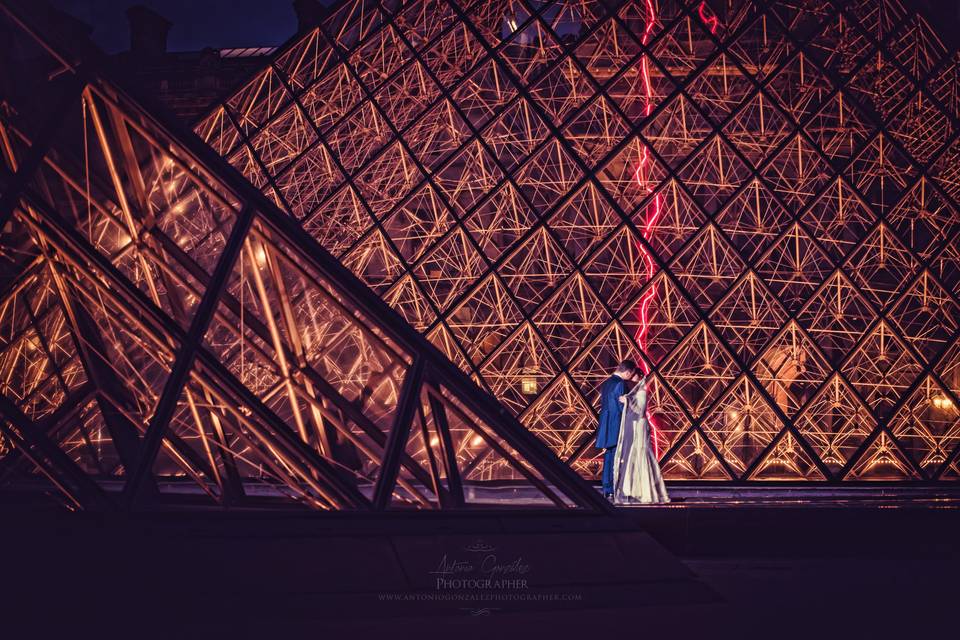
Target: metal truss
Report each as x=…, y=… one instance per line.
x=756, y=200
x=167, y=336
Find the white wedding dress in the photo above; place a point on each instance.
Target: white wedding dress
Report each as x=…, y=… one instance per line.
x=636, y=472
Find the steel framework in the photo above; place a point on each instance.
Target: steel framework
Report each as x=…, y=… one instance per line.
x=756, y=200
x=167, y=335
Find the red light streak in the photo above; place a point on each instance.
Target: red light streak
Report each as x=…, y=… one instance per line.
x=710, y=21
x=654, y=207
x=653, y=213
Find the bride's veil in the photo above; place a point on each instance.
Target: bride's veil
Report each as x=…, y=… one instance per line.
x=636, y=405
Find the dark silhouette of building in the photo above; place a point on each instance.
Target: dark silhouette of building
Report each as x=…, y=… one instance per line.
x=186, y=82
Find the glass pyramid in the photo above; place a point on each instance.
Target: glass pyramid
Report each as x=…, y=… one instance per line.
x=758, y=201
x=167, y=336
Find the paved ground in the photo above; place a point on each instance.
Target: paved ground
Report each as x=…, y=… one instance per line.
x=840, y=568
x=889, y=596
x=762, y=598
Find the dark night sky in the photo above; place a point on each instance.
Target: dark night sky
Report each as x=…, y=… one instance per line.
x=196, y=23
x=250, y=23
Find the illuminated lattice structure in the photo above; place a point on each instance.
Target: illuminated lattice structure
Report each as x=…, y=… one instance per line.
x=756, y=200
x=167, y=333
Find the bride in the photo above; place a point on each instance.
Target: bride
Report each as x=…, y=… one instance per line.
x=636, y=473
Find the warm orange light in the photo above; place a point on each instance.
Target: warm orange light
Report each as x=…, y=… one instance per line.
x=260, y=254
x=665, y=180
x=529, y=386
x=123, y=238
x=941, y=402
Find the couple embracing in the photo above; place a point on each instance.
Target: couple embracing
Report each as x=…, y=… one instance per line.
x=631, y=473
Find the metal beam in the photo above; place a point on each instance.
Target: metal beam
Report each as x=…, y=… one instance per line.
x=399, y=432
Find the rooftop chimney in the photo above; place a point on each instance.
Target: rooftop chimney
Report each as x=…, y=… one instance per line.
x=309, y=13
x=148, y=31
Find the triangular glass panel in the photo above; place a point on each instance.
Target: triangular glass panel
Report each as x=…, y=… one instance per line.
x=694, y=460
x=927, y=426
x=881, y=368
x=519, y=368
x=836, y=316
x=481, y=456
x=787, y=461
x=791, y=368
x=793, y=267
x=748, y=316
x=835, y=423
x=882, y=461
x=742, y=425
x=484, y=318
x=562, y=418
x=753, y=220
x=699, y=369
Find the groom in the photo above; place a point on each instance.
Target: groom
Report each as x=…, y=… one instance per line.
x=611, y=408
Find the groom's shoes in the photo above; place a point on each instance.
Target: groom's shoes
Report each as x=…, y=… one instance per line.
x=608, y=496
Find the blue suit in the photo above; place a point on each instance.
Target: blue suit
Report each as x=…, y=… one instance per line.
x=608, y=431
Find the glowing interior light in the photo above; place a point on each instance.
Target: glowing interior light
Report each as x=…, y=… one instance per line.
x=529, y=386
x=434, y=441
x=476, y=441
x=733, y=414
x=261, y=256
x=941, y=402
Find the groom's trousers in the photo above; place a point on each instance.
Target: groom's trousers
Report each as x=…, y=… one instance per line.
x=607, y=477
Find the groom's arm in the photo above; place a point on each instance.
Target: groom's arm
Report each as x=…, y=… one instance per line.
x=622, y=392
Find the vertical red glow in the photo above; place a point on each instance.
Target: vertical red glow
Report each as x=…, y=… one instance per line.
x=711, y=21
x=652, y=211
x=654, y=207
